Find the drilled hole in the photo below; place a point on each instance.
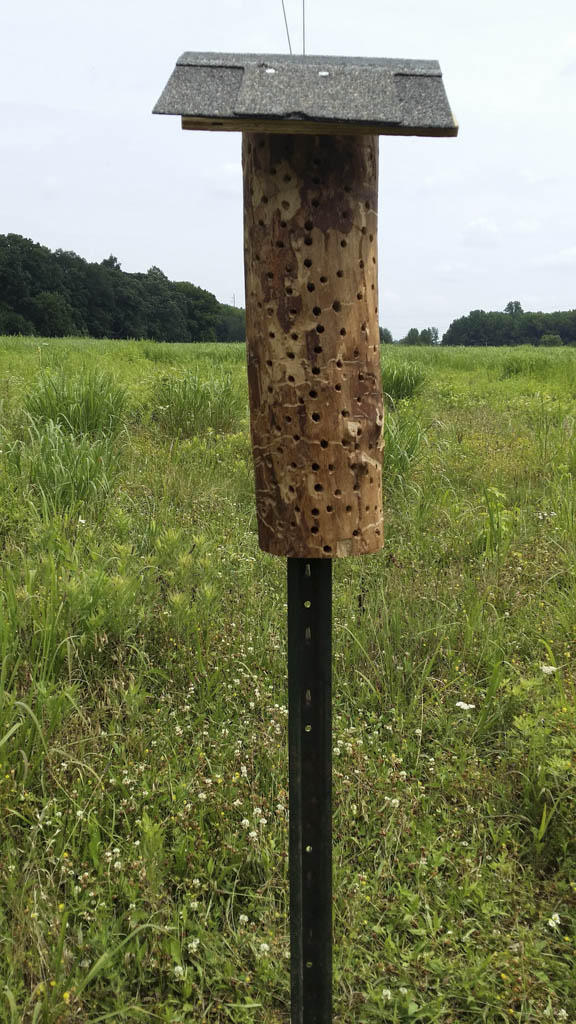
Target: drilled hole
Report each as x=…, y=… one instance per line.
x=316, y=310
x=361, y=264
x=331, y=467
x=311, y=287
x=339, y=364
x=348, y=508
x=316, y=417
x=343, y=332
x=337, y=492
x=318, y=349
x=313, y=394
x=268, y=362
x=323, y=444
x=345, y=442
x=290, y=355
x=288, y=419
x=289, y=291
x=309, y=224
x=264, y=199
x=318, y=487
x=271, y=334
x=320, y=328
x=314, y=529
x=315, y=467
x=279, y=244
x=291, y=379
x=345, y=412
x=358, y=295
x=308, y=263
x=296, y=437
x=315, y=370
x=337, y=387
x=315, y=512
x=294, y=336
x=262, y=223
x=343, y=243
x=336, y=306
x=323, y=280
x=339, y=273
x=307, y=240
x=355, y=533
x=329, y=508
x=315, y=203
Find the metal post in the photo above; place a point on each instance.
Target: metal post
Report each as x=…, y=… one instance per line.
x=310, y=766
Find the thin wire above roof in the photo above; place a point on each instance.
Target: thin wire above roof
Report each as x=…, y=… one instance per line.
x=271, y=92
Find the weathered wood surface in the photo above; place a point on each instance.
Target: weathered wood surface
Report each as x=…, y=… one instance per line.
x=282, y=125
x=310, y=216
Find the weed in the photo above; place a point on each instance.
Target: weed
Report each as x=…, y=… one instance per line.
x=188, y=406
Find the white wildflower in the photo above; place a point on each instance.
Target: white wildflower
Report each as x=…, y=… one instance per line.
x=178, y=972
x=386, y=995
x=464, y=706
x=245, y=823
x=264, y=948
x=202, y=796
x=243, y=919
x=548, y=670
x=193, y=945
x=553, y=921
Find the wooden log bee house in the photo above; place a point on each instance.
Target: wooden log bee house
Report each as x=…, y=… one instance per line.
x=310, y=128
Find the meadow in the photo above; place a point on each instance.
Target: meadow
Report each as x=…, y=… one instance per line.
x=143, y=719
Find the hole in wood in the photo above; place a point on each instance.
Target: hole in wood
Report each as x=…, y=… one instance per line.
x=308, y=225
x=327, y=548
x=320, y=328
x=316, y=311
x=313, y=394
x=323, y=280
x=311, y=287
x=307, y=240
x=316, y=417
x=318, y=487
x=318, y=349
x=323, y=444
x=316, y=370
x=315, y=511
x=308, y=263
x=339, y=273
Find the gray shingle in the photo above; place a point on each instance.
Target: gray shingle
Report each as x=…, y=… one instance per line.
x=389, y=96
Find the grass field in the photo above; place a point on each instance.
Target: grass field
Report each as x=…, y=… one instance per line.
x=143, y=781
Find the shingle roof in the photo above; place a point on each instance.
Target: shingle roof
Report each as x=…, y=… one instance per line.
x=232, y=92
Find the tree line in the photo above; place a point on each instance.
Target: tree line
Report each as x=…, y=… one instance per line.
x=59, y=293
x=512, y=327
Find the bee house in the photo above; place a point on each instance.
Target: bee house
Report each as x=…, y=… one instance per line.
x=310, y=163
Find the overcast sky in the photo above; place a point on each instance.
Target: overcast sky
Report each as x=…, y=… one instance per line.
x=466, y=223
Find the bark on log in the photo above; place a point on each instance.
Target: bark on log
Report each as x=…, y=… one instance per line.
x=310, y=215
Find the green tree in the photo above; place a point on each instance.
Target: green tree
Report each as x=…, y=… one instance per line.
x=385, y=336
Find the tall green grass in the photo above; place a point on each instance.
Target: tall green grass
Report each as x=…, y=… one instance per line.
x=190, y=405
x=93, y=403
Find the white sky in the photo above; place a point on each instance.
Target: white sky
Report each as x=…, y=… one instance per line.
x=465, y=223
